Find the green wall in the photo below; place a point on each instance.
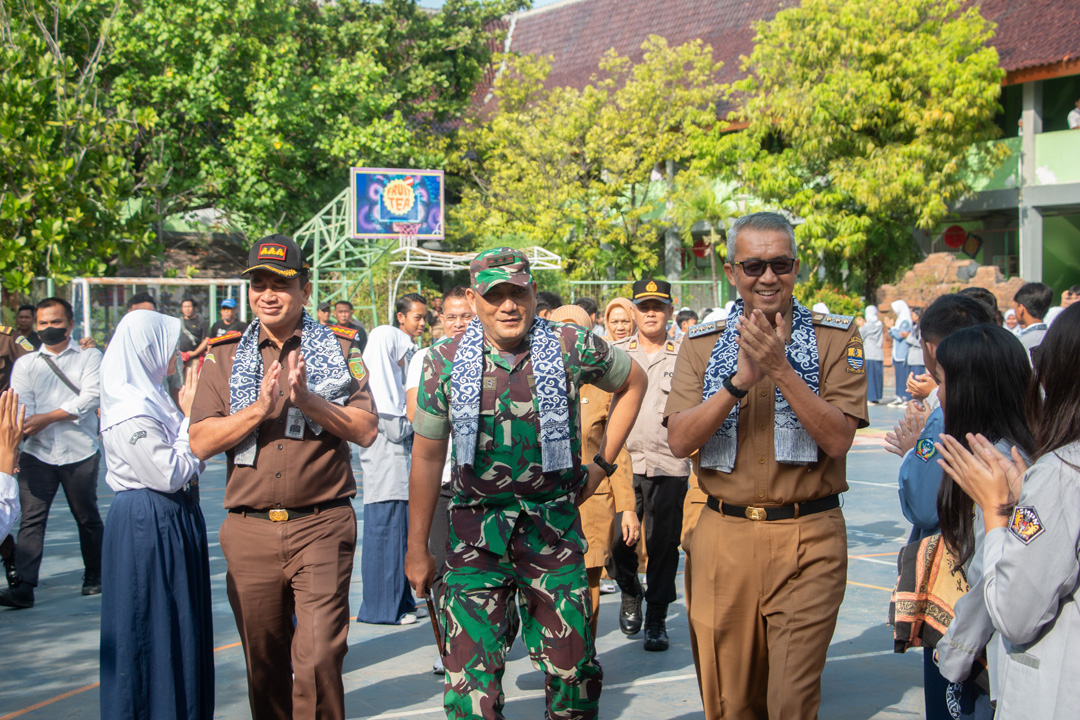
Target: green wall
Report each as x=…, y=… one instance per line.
x=1061, y=252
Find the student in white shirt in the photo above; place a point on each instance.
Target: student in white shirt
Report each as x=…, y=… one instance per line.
x=157, y=639
x=59, y=384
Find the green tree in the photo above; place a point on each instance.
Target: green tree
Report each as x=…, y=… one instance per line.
x=572, y=169
x=265, y=104
x=863, y=117
x=68, y=183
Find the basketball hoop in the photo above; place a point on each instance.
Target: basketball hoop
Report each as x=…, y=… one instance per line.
x=406, y=233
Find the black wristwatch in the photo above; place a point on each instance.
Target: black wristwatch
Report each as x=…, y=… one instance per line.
x=735, y=392
x=605, y=465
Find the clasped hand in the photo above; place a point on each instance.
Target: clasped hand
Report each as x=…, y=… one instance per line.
x=761, y=349
x=295, y=379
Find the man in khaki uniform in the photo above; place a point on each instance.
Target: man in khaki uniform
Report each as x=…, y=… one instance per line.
x=772, y=399
x=659, y=477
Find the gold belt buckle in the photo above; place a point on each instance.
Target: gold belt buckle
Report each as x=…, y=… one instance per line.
x=279, y=515
x=756, y=513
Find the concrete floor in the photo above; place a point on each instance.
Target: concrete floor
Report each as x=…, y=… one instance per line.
x=49, y=654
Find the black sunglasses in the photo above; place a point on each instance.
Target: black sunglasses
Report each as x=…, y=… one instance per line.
x=756, y=268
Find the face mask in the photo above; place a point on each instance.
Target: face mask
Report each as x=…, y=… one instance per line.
x=52, y=335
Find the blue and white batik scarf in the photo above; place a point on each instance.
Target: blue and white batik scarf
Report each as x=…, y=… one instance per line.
x=791, y=441
x=550, y=374
x=327, y=375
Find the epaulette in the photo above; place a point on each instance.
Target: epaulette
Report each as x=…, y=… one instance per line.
x=4, y=329
x=703, y=329
x=227, y=337
x=840, y=322
x=342, y=332
x=632, y=344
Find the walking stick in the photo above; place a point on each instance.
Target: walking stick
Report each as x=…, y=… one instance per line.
x=435, y=625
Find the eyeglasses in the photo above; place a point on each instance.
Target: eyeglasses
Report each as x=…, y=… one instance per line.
x=756, y=268
x=455, y=318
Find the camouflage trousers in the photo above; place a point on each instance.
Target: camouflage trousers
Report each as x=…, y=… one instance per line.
x=480, y=623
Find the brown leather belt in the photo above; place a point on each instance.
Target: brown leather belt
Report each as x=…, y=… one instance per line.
x=780, y=512
x=286, y=514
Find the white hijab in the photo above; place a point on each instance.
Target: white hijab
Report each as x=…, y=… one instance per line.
x=134, y=367
x=820, y=308
x=386, y=345
x=871, y=313
x=903, y=312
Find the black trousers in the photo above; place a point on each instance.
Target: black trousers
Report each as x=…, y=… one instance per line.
x=659, y=505
x=38, y=483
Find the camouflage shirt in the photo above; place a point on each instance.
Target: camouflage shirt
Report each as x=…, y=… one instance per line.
x=507, y=478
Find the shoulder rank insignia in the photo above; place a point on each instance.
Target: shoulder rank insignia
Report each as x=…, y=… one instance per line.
x=356, y=363
x=703, y=329
x=342, y=332
x=670, y=347
x=6, y=330
x=1025, y=524
x=924, y=449
x=137, y=437
x=840, y=322
x=227, y=337
x=632, y=345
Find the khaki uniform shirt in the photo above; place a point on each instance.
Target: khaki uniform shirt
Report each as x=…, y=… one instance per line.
x=757, y=479
x=12, y=347
x=287, y=473
x=595, y=408
x=647, y=442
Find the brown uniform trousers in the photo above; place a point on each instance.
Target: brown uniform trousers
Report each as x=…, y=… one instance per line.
x=763, y=596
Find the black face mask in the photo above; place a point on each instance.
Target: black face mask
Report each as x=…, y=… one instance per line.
x=52, y=335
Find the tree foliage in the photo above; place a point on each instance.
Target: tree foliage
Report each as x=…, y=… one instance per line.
x=65, y=163
x=862, y=116
x=572, y=169
x=264, y=104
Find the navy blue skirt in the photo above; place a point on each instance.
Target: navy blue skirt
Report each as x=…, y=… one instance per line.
x=157, y=633
x=387, y=595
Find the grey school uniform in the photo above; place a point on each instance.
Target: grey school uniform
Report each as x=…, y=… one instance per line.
x=1030, y=583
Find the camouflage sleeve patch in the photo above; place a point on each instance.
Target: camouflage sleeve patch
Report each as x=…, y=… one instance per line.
x=854, y=357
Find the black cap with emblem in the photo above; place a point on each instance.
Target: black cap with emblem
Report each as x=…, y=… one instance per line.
x=278, y=254
x=649, y=289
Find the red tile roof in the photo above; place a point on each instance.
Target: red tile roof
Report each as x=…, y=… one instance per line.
x=1030, y=33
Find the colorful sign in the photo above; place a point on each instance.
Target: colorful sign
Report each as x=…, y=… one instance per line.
x=389, y=203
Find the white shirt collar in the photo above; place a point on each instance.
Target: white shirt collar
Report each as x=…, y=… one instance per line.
x=72, y=346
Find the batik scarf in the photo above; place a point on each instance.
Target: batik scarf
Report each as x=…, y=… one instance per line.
x=792, y=443
x=550, y=375
x=327, y=376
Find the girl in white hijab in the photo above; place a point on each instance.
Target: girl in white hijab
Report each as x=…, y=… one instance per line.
x=873, y=335
x=899, y=332
x=157, y=650
x=387, y=599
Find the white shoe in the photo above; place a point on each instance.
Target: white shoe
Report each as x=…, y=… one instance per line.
x=407, y=619
x=607, y=587
x=437, y=667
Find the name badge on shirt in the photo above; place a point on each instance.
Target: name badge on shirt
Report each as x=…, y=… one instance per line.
x=294, y=424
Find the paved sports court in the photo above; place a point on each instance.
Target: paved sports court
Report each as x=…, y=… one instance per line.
x=49, y=654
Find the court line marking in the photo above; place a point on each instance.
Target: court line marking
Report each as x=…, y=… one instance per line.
x=849, y=582
x=891, y=486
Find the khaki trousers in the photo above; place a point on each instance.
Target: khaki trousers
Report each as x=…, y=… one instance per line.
x=766, y=596
x=302, y=566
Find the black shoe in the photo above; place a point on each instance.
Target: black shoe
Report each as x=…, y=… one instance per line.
x=630, y=614
x=656, y=639
x=18, y=597
x=91, y=584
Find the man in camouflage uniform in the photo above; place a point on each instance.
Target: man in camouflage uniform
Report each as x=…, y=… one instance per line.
x=514, y=528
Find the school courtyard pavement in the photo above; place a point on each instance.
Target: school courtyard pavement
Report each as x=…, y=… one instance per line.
x=49, y=654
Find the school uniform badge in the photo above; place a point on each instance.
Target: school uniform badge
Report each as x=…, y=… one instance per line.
x=1025, y=524
x=356, y=364
x=924, y=449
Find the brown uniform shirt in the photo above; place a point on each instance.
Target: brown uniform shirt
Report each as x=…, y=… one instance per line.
x=647, y=442
x=12, y=347
x=757, y=479
x=287, y=473
x=595, y=408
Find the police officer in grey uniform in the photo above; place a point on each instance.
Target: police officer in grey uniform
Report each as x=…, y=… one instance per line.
x=660, y=478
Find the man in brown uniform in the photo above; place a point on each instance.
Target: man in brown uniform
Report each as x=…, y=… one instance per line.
x=659, y=477
x=283, y=399
x=12, y=347
x=772, y=399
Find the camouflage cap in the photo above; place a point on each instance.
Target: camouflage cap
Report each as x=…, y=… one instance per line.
x=499, y=265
